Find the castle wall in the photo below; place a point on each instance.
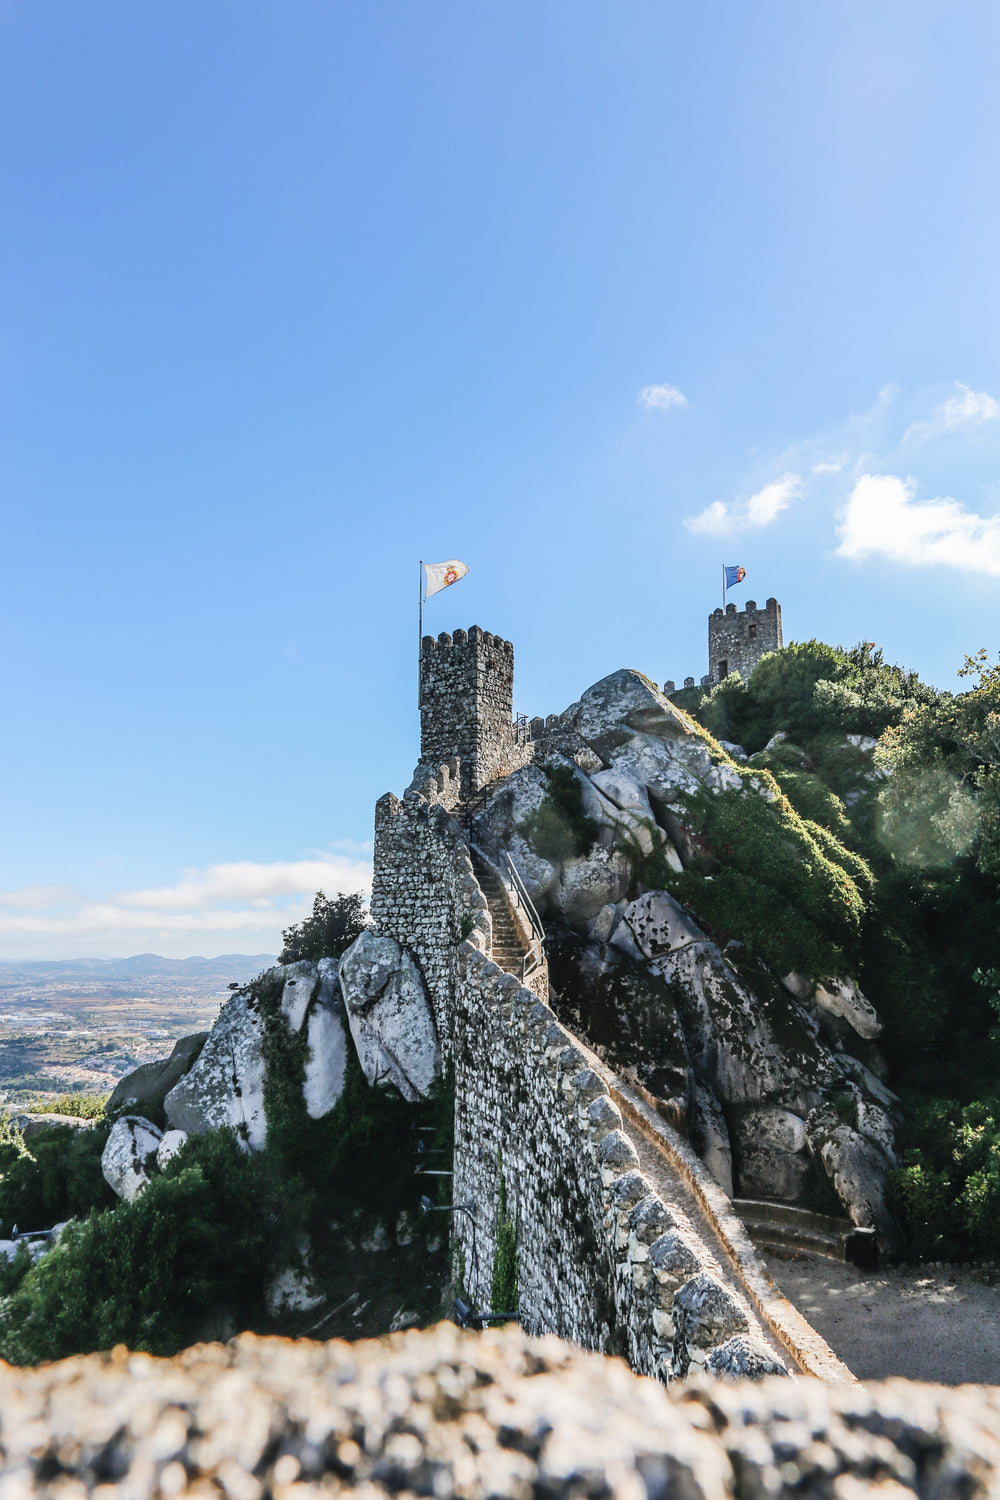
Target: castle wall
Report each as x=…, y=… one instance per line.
x=467, y=705
x=737, y=639
x=420, y=894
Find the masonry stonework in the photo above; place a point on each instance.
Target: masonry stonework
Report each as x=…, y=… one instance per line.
x=601, y=1258
x=467, y=704
x=737, y=639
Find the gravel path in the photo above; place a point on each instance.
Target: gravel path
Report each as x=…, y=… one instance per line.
x=920, y=1322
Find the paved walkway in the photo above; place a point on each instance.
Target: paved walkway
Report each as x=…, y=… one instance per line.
x=925, y=1324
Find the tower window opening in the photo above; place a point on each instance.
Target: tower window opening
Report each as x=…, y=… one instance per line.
x=753, y=631
x=723, y=669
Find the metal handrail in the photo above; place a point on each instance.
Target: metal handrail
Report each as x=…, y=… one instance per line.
x=533, y=957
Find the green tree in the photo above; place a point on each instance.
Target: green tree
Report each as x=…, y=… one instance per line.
x=329, y=932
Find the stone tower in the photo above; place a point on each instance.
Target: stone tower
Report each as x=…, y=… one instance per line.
x=737, y=639
x=467, y=704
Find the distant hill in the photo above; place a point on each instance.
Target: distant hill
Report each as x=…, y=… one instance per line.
x=141, y=965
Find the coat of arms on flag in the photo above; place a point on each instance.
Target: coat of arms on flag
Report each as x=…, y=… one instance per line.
x=734, y=575
x=440, y=575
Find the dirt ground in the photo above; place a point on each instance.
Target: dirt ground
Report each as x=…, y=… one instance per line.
x=924, y=1322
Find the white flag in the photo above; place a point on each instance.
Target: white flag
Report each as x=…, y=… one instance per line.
x=439, y=575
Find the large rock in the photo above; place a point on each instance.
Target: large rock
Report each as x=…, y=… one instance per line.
x=33, y=1125
x=389, y=1015
x=597, y=879
x=751, y=1044
x=498, y=826
x=709, y=1133
x=659, y=924
x=226, y=1085
x=129, y=1157
x=627, y=1014
x=148, y=1086
x=857, y=1169
x=326, y=1064
x=670, y=770
x=620, y=702
x=841, y=998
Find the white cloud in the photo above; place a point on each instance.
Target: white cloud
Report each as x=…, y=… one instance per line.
x=206, y=909
x=830, y=465
x=883, y=519
x=720, y=518
x=661, y=397
x=966, y=409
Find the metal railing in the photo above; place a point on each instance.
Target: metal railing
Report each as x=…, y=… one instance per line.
x=533, y=957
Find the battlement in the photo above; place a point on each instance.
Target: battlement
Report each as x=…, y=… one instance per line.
x=737, y=639
x=467, y=703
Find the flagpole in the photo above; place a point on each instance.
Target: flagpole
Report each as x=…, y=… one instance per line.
x=723, y=588
x=420, y=623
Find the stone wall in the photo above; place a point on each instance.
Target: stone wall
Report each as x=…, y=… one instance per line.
x=601, y=1260
x=467, y=705
x=475, y=1416
x=737, y=639
x=423, y=886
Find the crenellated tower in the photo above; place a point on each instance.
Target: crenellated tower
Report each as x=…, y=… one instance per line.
x=737, y=639
x=467, y=704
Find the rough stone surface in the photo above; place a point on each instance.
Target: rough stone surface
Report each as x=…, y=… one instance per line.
x=128, y=1155
x=620, y=702
x=476, y=1416
x=226, y=1084
x=172, y=1142
x=737, y=639
x=147, y=1086
x=326, y=1063
x=389, y=1015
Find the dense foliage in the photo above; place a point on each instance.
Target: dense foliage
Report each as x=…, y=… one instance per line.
x=921, y=812
x=207, y=1234
x=57, y=1177
x=335, y=923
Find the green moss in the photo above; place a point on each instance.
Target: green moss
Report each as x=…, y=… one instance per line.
x=503, y=1285
x=560, y=829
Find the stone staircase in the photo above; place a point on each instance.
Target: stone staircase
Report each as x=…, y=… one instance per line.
x=783, y=1226
x=509, y=948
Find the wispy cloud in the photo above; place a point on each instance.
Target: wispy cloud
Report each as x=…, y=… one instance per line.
x=966, y=409
x=883, y=519
x=830, y=465
x=723, y=517
x=204, y=909
x=661, y=397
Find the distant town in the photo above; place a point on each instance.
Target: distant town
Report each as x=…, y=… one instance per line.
x=77, y=1026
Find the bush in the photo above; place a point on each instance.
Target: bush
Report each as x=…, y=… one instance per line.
x=148, y=1274
x=947, y=1193
x=560, y=829
x=58, y=1178
x=80, y=1106
x=329, y=932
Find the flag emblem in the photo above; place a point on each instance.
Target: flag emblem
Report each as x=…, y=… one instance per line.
x=734, y=575
x=440, y=575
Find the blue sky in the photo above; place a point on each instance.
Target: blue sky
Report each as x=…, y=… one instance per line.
x=594, y=297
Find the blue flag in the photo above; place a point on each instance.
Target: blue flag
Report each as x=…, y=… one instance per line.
x=735, y=575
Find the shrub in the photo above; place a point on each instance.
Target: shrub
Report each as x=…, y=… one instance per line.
x=560, y=829
x=58, y=1178
x=80, y=1106
x=147, y=1274
x=329, y=932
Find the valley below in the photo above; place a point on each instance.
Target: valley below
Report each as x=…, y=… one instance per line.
x=80, y=1026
